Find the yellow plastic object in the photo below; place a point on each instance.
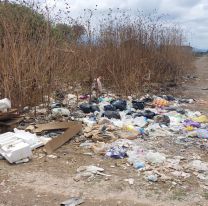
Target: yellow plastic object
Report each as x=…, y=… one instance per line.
x=160, y=102
x=189, y=128
x=201, y=119
x=129, y=128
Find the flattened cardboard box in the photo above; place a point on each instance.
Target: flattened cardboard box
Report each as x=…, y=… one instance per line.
x=52, y=126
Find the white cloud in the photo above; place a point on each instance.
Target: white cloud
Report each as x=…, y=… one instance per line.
x=190, y=14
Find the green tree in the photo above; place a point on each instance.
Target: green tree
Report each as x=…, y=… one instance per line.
x=69, y=33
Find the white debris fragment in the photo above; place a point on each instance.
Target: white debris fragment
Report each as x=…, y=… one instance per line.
x=18, y=145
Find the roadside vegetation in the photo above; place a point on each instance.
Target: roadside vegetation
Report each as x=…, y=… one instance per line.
x=41, y=52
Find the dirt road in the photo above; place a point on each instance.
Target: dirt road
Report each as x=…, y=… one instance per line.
x=195, y=88
x=46, y=181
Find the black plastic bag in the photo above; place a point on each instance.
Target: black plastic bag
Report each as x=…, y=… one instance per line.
x=138, y=105
x=162, y=119
x=95, y=108
x=85, y=107
x=119, y=104
x=148, y=114
x=111, y=115
x=139, y=114
x=109, y=108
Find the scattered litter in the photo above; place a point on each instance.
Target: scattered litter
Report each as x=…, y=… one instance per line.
x=73, y=201
x=135, y=130
x=61, y=112
x=117, y=152
x=99, y=148
x=52, y=156
x=198, y=165
x=202, y=133
x=130, y=181
x=152, y=178
x=89, y=172
x=155, y=157
x=138, y=165
x=181, y=174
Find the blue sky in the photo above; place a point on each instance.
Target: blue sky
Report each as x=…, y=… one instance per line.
x=191, y=15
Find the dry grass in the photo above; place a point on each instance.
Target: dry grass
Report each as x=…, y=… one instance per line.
x=130, y=53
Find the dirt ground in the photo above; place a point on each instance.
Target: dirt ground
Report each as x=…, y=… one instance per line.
x=47, y=181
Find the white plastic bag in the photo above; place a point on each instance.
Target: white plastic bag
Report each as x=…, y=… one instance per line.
x=155, y=157
x=5, y=104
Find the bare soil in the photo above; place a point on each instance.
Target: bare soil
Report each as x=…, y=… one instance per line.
x=46, y=181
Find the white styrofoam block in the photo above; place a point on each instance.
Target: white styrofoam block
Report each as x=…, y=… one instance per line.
x=18, y=145
x=16, y=151
x=27, y=137
x=7, y=138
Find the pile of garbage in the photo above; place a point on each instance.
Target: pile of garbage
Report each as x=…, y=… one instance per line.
x=146, y=116
x=115, y=127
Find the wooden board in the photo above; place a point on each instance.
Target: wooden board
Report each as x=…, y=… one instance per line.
x=8, y=115
x=57, y=142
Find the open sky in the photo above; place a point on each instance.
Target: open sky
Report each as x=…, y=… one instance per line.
x=192, y=15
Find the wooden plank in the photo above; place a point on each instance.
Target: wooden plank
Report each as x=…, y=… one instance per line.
x=57, y=142
x=11, y=121
x=8, y=115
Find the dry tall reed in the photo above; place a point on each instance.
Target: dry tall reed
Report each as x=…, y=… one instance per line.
x=130, y=52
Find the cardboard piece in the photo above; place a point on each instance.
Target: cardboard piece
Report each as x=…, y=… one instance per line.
x=73, y=129
x=52, y=126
